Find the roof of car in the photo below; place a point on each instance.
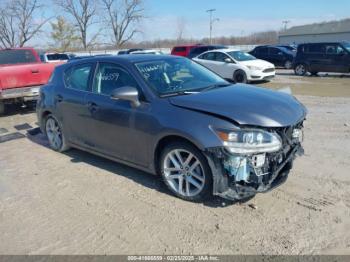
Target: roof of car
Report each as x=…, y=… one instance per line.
x=124, y=58
x=189, y=45
x=223, y=50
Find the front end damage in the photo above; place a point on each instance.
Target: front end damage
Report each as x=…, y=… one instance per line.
x=240, y=176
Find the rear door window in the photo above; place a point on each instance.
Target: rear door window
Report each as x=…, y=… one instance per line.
x=220, y=57
x=208, y=56
x=317, y=48
x=274, y=51
x=77, y=77
x=16, y=56
x=263, y=51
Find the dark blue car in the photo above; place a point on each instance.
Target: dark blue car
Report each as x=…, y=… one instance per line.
x=277, y=55
x=170, y=116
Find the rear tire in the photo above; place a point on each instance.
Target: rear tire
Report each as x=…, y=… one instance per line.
x=54, y=133
x=185, y=171
x=2, y=108
x=240, y=76
x=300, y=69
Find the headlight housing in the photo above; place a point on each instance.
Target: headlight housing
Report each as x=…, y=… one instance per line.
x=254, y=68
x=249, y=141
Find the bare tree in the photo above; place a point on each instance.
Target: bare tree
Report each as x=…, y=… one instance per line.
x=8, y=29
x=122, y=17
x=180, y=29
x=83, y=13
x=19, y=22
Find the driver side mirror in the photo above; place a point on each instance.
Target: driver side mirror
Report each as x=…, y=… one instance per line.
x=228, y=60
x=127, y=93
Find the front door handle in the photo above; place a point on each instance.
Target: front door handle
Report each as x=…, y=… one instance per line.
x=92, y=107
x=35, y=71
x=58, y=98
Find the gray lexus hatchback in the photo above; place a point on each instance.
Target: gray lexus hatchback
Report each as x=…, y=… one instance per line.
x=170, y=116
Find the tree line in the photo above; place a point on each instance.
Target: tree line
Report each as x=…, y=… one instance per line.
x=81, y=24
x=22, y=20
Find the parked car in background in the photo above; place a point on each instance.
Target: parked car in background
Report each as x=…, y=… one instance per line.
x=22, y=73
x=292, y=48
x=140, y=110
x=71, y=55
x=128, y=51
x=54, y=57
x=182, y=50
x=236, y=65
x=147, y=52
x=322, y=57
x=279, y=56
x=86, y=56
x=196, y=51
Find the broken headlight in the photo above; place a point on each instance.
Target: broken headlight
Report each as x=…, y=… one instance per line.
x=249, y=141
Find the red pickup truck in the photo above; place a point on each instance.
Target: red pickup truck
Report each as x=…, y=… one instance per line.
x=21, y=75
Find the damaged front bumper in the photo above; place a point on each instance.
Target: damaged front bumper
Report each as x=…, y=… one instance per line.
x=237, y=177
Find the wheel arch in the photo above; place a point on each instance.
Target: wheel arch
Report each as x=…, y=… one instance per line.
x=166, y=140
x=43, y=116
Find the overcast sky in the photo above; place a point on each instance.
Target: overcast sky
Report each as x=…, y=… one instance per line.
x=237, y=17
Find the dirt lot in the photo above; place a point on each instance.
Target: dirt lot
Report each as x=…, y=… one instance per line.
x=77, y=203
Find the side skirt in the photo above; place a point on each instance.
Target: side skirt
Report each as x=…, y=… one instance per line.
x=115, y=159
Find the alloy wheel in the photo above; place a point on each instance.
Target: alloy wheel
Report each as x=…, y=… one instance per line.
x=300, y=70
x=54, y=134
x=184, y=172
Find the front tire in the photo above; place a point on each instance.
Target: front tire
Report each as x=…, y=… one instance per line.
x=300, y=69
x=54, y=133
x=240, y=76
x=288, y=64
x=185, y=172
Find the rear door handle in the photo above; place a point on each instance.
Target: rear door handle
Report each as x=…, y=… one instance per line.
x=92, y=107
x=58, y=98
x=35, y=71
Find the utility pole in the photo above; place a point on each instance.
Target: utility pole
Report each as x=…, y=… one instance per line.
x=285, y=24
x=211, y=22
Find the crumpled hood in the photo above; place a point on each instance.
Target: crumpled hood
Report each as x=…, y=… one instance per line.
x=246, y=105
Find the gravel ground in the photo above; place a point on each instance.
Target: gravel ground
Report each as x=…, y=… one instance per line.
x=77, y=203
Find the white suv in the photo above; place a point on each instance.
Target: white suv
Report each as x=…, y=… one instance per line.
x=236, y=65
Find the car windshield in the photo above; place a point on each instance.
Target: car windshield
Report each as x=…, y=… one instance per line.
x=241, y=56
x=178, y=75
x=347, y=46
